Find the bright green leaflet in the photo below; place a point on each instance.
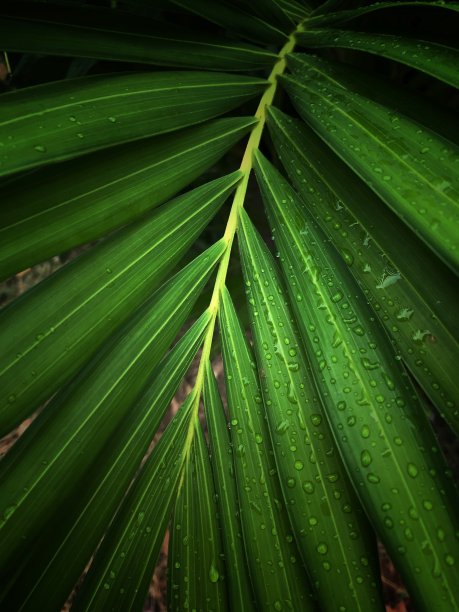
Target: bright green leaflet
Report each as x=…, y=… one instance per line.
x=65, y=546
x=87, y=309
x=76, y=116
x=332, y=532
x=392, y=270
x=437, y=60
x=196, y=566
x=275, y=567
x=131, y=548
x=369, y=401
x=80, y=427
x=53, y=213
x=240, y=591
x=412, y=171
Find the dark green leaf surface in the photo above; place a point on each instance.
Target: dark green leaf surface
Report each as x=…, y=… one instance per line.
x=412, y=170
x=275, y=567
x=67, y=543
x=347, y=15
x=331, y=530
x=90, y=297
x=234, y=19
x=240, y=591
x=196, y=576
x=437, y=60
x=393, y=268
x=401, y=100
x=273, y=11
x=61, y=120
x=64, y=37
x=60, y=207
x=129, y=552
x=90, y=408
x=383, y=435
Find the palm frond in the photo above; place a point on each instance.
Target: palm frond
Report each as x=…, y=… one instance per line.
x=121, y=130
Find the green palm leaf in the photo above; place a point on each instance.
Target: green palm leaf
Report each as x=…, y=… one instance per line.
x=79, y=116
x=66, y=547
x=52, y=214
x=81, y=32
x=367, y=398
x=196, y=568
x=71, y=440
x=413, y=171
x=437, y=60
x=321, y=504
x=392, y=270
x=259, y=492
x=278, y=474
x=347, y=15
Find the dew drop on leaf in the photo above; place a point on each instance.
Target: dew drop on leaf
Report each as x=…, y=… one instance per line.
x=213, y=573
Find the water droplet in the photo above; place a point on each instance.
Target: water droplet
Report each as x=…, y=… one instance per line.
x=112, y=119
x=213, y=573
x=316, y=419
x=40, y=148
x=347, y=256
x=337, y=297
x=308, y=486
x=365, y=431
x=299, y=465
x=368, y=365
x=282, y=427
x=322, y=548
x=373, y=478
x=412, y=470
x=365, y=458
x=11, y=398
x=449, y=559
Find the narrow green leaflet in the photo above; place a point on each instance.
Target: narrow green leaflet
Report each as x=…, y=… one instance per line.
x=332, y=532
x=122, y=569
x=393, y=268
x=52, y=330
x=437, y=60
x=293, y=9
x=383, y=436
x=278, y=576
x=347, y=15
x=270, y=11
x=89, y=410
x=411, y=168
x=197, y=573
x=386, y=93
x=235, y=20
x=239, y=588
x=72, y=32
x=54, y=209
x=69, y=539
x=61, y=120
